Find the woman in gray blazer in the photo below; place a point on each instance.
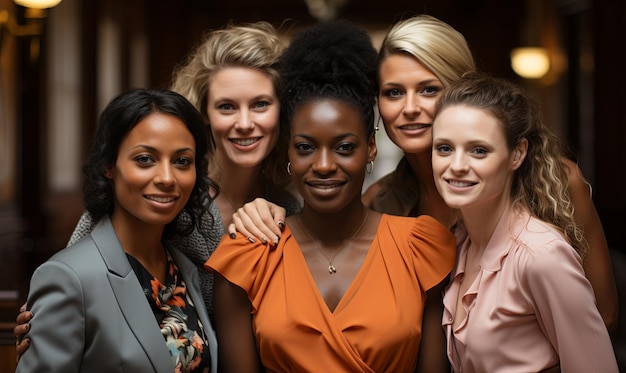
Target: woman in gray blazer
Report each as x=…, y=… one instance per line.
x=124, y=298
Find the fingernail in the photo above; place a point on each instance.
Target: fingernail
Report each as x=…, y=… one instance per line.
x=281, y=225
x=264, y=241
x=233, y=235
x=276, y=241
x=251, y=239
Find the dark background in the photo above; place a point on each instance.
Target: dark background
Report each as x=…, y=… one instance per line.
x=589, y=35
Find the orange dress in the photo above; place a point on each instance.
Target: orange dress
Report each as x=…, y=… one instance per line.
x=376, y=327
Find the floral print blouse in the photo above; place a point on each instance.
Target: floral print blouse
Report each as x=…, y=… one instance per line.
x=176, y=314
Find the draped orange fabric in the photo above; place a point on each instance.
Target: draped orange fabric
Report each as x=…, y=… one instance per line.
x=376, y=327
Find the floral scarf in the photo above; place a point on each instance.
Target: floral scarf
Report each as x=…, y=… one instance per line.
x=176, y=314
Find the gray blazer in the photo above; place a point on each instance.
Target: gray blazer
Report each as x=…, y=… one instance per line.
x=90, y=313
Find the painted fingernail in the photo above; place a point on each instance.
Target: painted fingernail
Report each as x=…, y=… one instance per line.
x=233, y=235
x=251, y=239
x=264, y=241
x=281, y=225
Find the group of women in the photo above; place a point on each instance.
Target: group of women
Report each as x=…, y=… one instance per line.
x=341, y=283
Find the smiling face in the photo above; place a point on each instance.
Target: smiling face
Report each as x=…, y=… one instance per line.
x=243, y=114
x=406, y=102
x=329, y=151
x=154, y=173
x=472, y=164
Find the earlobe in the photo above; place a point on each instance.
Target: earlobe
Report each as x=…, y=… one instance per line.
x=108, y=173
x=372, y=149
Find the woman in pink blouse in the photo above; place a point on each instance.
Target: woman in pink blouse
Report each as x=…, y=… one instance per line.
x=518, y=299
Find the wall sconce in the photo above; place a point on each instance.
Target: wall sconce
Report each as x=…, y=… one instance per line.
x=34, y=14
x=37, y=4
x=530, y=62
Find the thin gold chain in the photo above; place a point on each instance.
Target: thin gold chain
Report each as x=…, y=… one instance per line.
x=331, y=268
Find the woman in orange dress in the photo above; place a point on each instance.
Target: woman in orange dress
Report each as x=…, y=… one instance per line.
x=344, y=289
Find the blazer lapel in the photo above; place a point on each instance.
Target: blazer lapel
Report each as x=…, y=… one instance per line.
x=130, y=297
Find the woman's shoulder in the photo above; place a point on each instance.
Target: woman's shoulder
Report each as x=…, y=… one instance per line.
x=423, y=244
x=419, y=222
x=539, y=248
x=538, y=234
x=202, y=241
x=418, y=232
x=243, y=251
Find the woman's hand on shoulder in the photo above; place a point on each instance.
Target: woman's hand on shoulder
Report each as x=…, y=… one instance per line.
x=259, y=219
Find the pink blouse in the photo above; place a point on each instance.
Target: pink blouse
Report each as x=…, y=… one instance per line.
x=529, y=308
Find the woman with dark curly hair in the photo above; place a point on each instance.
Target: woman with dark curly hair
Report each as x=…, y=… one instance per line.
x=344, y=289
x=123, y=297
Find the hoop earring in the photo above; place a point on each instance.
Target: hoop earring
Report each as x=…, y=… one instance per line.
x=289, y=168
x=369, y=168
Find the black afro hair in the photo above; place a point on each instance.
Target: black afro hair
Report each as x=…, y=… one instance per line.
x=331, y=59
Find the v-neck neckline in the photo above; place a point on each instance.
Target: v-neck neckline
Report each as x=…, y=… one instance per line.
x=354, y=284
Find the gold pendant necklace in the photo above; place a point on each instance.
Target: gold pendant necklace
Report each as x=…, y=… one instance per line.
x=331, y=268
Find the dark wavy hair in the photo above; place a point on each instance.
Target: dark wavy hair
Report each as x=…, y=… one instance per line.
x=334, y=59
x=122, y=114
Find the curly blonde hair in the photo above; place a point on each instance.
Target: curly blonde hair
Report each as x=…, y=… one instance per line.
x=253, y=45
x=541, y=183
x=434, y=43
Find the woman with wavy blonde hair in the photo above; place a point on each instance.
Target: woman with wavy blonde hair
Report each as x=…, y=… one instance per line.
x=231, y=78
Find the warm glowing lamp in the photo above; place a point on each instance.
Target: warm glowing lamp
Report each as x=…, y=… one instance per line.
x=34, y=15
x=530, y=62
x=37, y=4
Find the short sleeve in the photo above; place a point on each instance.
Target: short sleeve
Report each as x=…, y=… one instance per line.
x=434, y=248
x=245, y=264
x=425, y=244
